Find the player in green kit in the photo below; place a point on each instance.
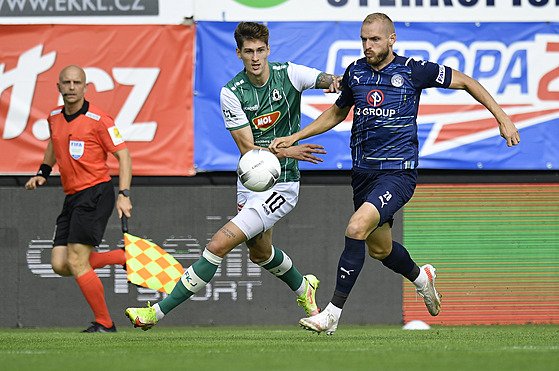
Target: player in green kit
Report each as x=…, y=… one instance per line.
x=260, y=103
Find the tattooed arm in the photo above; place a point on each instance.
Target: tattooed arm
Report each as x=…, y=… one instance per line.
x=330, y=83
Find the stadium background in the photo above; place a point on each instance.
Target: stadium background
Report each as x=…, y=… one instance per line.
x=487, y=216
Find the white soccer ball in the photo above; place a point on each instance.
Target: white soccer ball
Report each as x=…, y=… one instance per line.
x=259, y=170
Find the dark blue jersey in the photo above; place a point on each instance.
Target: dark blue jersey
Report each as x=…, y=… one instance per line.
x=384, y=131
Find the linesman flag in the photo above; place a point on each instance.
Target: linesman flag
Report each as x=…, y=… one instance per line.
x=148, y=265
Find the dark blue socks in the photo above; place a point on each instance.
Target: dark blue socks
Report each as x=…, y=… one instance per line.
x=400, y=261
x=349, y=266
x=353, y=258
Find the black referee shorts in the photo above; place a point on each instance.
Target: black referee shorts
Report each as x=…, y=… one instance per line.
x=85, y=215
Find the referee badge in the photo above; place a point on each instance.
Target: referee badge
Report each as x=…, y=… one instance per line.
x=77, y=148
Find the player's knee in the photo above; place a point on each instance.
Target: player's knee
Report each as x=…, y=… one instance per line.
x=60, y=267
x=218, y=247
x=59, y=261
x=356, y=231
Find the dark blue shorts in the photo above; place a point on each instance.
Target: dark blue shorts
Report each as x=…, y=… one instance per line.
x=85, y=215
x=387, y=190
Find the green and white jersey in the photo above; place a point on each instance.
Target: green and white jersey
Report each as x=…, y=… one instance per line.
x=272, y=110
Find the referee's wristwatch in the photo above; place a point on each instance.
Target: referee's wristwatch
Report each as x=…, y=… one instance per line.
x=124, y=192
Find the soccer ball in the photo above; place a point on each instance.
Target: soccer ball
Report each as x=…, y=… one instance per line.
x=259, y=170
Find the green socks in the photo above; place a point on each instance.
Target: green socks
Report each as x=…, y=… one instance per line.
x=195, y=278
x=280, y=265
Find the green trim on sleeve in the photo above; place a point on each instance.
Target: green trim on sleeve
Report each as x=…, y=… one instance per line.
x=238, y=127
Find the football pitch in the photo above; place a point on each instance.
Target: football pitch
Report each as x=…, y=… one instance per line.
x=527, y=347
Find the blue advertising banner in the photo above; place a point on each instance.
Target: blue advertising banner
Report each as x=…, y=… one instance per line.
x=518, y=63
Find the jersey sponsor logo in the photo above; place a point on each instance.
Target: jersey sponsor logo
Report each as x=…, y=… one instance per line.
x=264, y=122
x=252, y=108
x=380, y=112
x=397, y=80
x=375, y=98
x=77, y=148
x=115, y=135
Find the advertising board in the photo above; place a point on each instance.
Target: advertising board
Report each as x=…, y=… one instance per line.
x=398, y=10
x=140, y=75
x=520, y=69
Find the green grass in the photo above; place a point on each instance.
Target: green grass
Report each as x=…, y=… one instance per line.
x=529, y=347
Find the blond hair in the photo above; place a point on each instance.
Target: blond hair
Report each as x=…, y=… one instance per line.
x=381, y=17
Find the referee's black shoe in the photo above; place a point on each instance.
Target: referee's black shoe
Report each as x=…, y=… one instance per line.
x=97, y=327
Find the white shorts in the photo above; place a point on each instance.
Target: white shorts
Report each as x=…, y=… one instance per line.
x=259, y=211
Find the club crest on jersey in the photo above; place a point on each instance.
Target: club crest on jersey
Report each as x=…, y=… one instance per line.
x=375, y=98
x=77, y=148
x=397, y=80
x=264, y=122
x=276, y=95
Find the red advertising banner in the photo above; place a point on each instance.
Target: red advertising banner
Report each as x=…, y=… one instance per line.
x=140, y=75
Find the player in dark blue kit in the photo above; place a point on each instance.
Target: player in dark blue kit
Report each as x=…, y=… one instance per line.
x=384, y=89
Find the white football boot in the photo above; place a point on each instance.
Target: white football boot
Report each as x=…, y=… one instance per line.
x=324, y=321
x=428, y=292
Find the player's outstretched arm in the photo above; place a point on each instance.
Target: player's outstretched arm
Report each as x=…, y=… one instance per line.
x=507, y=128
x=302, y=152
x=326, y=121
x=329, y=83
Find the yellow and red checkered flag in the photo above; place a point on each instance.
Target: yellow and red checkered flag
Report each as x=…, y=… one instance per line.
x=148, y=265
